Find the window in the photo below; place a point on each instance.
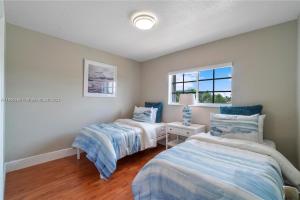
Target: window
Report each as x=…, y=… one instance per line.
x=211, y=85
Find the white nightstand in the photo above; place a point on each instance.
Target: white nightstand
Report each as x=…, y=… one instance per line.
x=178, y=129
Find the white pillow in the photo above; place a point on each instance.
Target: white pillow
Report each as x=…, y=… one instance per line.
x=235, y=126
x=144, y=114
x=154, y=113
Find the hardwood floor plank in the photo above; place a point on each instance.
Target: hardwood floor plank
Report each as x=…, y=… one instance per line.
x=69, y=178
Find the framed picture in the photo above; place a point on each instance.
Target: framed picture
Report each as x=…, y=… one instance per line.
x=100, y=80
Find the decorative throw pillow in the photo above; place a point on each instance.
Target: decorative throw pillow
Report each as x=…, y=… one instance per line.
x=159, y=107
x=235, y=126
x=247, y=110
x=143, y=114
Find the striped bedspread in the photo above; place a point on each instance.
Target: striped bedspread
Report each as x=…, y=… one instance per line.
x=202, y=170
x=106, y=143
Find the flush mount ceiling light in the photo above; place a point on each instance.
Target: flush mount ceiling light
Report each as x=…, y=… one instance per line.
x=143, y=20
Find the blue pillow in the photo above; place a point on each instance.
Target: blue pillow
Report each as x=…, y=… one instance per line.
x=241, y=110
x=159, y=107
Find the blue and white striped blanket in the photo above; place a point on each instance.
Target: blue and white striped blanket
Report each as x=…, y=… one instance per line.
x=204, y=170
x=106, y=143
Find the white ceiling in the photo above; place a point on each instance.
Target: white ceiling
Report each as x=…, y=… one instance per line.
x=182, y=24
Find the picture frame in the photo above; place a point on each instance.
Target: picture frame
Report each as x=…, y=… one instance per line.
x=100, y=79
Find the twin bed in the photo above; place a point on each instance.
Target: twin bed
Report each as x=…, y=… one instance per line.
x=203, y=167
x=105, y=143
x=208, y=167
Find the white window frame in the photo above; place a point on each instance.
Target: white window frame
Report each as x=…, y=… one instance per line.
x=196, y=70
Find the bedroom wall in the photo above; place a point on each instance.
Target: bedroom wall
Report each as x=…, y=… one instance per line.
x=41, y=66
x=265, y=63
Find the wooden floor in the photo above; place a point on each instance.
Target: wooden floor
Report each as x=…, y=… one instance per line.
x=69, y=178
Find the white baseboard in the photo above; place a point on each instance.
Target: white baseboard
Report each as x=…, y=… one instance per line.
x=38, y=159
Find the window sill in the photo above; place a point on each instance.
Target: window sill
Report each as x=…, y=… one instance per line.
x=209, y=105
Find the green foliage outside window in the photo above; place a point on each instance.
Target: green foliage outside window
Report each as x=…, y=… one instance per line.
x=207, y=97
x=222, y=99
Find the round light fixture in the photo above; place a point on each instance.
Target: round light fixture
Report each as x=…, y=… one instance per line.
x=143, y=20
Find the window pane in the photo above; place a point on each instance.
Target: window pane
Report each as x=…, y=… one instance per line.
x=179, y=77
x=190, y=76
x=223, y=85
x=190, y=87
x=110, y=90
x=205, y=97
x=223, y=72
x=206, y=74
x=205, y=86
x=175, y=97
x=223, y=97
x=179, y=87
x=216, y=90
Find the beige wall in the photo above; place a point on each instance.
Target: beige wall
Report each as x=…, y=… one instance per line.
x=42, y=66
x=265, y=63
